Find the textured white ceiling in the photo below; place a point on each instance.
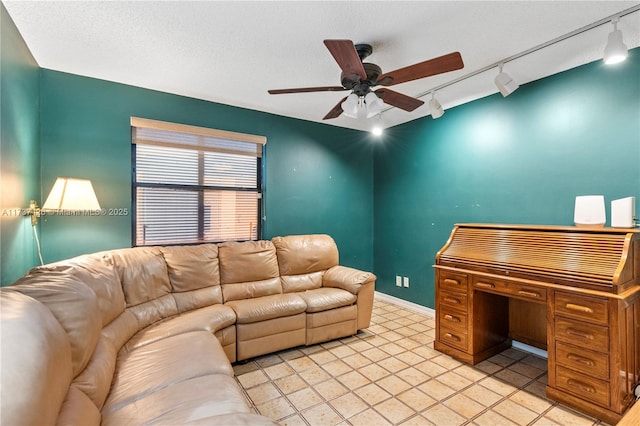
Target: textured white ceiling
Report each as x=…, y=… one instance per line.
x=232, y=52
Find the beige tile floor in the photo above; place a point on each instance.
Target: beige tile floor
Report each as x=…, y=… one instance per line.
x=390, y=374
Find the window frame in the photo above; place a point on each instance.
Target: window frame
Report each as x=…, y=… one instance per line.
x=200, y=188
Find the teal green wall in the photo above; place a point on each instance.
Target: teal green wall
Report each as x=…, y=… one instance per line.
x=520, y=159
x=19, y=150
x=318, y=178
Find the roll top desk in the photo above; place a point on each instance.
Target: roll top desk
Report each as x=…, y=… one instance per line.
x=572, y=291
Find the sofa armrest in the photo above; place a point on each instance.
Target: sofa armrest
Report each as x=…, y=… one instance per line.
x=346, y=278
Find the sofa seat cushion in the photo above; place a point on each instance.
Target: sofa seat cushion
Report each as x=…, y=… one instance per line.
x=267, y=307
x=163, y=363
x=211, y=319
x=322, y=299
x=180, y=403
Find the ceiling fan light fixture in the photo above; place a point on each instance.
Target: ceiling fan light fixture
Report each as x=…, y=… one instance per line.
x=505, y=83
x=435, y=107
x=350, y=106
x=373, y=104
x=615, y=51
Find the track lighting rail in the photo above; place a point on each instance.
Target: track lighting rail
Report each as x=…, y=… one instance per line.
x=541, y=46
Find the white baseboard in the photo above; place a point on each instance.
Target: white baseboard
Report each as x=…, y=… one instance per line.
x=432, y=313
x=531, y=349
x=406, y=304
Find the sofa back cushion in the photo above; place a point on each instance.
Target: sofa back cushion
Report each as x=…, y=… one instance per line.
x=194, y=275
x=143, y=274
x=36, y=361
x=145, y=283
x=302, y=260
x=73, y=304
x=98, y=272
x=248, y=269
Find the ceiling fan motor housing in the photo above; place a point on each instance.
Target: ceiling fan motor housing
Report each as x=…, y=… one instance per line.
x=363, y=50
x=361, y=88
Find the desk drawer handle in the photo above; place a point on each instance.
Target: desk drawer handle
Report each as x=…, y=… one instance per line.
x=578, y=308
x=581, y=360
x=452, y=337
x=583, y=387
x=452, y=300
x=451, y=281
x=578, y=333
x=485, y=285
x=451, y=318
x=528, y=293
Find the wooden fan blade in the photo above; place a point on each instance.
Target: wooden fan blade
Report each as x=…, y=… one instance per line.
x=345, y=54
x=307, y=89
x=439, y=65
x=399, y=100
x=335, y=111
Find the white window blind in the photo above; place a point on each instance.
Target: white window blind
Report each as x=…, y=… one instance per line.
x=193, y=184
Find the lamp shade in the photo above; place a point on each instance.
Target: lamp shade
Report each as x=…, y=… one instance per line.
x=71, y=194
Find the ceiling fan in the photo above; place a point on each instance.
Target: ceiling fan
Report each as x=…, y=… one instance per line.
x=360, y=77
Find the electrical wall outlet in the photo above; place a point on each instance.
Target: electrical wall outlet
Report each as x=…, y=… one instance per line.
x=406, y=281
x=398, y=281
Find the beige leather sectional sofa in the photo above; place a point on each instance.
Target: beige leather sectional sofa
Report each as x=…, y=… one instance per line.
x=147, y=335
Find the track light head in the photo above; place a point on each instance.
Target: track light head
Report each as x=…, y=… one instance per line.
x=434, y=106
x=615, y=51
x=505, y=83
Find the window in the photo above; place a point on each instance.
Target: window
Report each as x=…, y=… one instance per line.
x=193, y=184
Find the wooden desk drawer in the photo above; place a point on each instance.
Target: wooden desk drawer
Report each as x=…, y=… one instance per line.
x=585, y=387
x=592, y=309
x=452, y=281
x=588, y=362
x=583, y=334
x=454, y=320
x=453, y=337
x=511, y=289
x=453, y=299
